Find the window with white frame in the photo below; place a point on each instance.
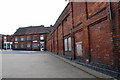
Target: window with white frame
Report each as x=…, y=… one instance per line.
x=16, y=39
x=69, y=43
x=22, y=45
x=35, y=45
x=22, y=38
x=65, y=42
x=79, y=48
x=42, y=37
x=16, y=46
x=28, y=45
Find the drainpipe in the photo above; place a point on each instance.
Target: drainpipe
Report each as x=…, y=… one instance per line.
x=116, y=61
x=88, y=60
x=57, y=41
x=110, y=9
x=63, y=38
x=73, y=41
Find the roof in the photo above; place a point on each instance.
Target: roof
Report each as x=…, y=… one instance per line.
x=61, y=17
x=33, y=30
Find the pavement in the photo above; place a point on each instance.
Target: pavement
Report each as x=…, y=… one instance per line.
x=0, y=65
x=36, y=64
x=83, y=68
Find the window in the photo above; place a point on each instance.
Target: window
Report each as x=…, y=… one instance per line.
x=16, y=39
x=5, y=37
x=16, y=46
x=35, y=38
x=28, y=45
x=69, y=43
x=0, y=37
x=22, y=45
x=28, y=38
x=41, y=37
x=79, y=48
x=65, y=44
x=65, y=19
x=4, y=45
x=35, y=45
x=22, y=38
x=8, y=45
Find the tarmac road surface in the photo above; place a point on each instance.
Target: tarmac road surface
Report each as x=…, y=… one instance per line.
x=36, y=64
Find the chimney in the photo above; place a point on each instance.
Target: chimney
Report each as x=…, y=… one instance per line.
x=51, y=26
x=42, y=25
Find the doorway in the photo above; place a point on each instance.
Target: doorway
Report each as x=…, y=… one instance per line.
x=42, y=46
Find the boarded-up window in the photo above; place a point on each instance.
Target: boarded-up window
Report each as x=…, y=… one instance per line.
x=79, y=48
x=69, y=43
x=65, y=41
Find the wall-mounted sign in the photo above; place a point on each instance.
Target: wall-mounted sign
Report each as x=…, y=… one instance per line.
x=34, y=41
x=15, y=42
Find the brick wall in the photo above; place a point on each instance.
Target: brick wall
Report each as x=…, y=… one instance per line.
x=90, y=24
x=31, y=42
x=60, y=40
x=0, y=41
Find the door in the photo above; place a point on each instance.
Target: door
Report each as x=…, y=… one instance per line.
x=42, y=46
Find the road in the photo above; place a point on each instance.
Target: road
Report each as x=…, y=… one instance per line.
x=36, y=64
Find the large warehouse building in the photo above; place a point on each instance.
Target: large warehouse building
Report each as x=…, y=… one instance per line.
x=88, y=32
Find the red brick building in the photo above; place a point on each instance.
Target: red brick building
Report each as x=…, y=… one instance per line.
x=7, y=41
x=0, y=41
x=31, y=38
x=88, y=32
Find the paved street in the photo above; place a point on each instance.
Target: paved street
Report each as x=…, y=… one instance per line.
x=35, y=64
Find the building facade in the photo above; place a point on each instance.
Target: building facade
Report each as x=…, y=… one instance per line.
x=0, y=41
x=31, y=38
x=88, y=32
x=7, y=42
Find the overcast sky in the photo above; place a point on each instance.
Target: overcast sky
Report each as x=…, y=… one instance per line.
x=23, y=13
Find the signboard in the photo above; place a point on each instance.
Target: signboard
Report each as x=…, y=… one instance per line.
x=34, y=41
x=15, y=42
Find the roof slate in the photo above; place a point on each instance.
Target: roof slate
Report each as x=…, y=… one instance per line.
x=33, y=30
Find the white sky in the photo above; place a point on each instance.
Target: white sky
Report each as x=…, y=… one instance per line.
x=23, y=13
